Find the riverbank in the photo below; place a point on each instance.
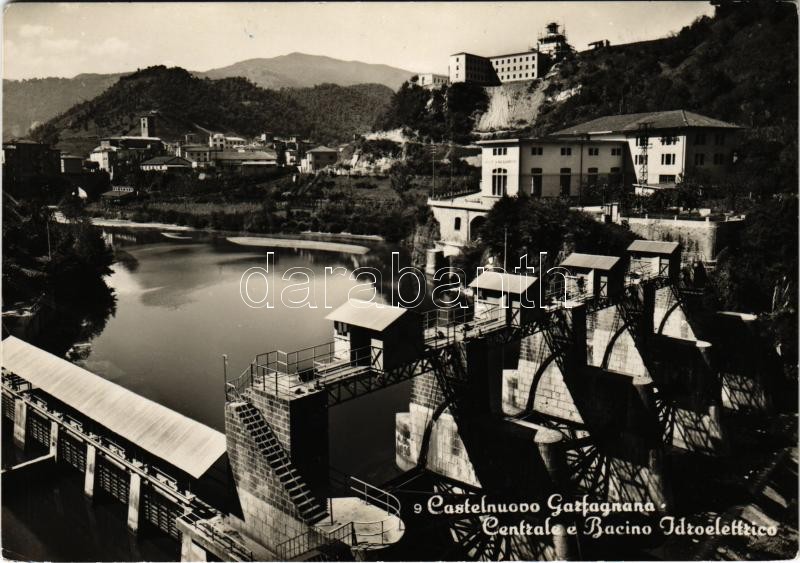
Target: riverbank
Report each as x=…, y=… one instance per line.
x=305, y=235
x=270, y=242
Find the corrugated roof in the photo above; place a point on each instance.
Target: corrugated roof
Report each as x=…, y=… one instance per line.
x=185, y=443
x=590, y=261
x=367, y=314
x=674, y=119
x=501, y=281
x=246, y=155
x=653, y=246
x=117, y=193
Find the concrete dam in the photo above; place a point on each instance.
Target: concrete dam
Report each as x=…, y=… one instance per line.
x=585, y=398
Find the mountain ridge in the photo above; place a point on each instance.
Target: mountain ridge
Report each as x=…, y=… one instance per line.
x=186, y=103
x=33, y=101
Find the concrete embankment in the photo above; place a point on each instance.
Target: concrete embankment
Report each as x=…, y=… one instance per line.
x=265, y=242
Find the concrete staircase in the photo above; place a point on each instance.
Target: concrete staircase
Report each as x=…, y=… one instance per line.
x=311, y=510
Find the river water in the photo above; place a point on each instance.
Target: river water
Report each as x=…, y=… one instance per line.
x=178, y=310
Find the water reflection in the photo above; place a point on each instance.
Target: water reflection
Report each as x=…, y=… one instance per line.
x=173, y=310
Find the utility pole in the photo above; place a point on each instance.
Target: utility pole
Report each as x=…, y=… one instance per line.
x=505, y=247
x=433, y=168
x=644, y=142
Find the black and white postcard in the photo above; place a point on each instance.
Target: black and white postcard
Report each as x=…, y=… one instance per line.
x=400, y=281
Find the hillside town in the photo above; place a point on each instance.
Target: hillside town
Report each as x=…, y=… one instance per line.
x=541, y=307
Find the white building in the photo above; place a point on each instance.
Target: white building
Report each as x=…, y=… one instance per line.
x=221, y=142
x=105, y=157
x=318, y=158
x=431, y=80
x=648, y=151
x=497, y=69
x=541, y=168
x=664, y=146
x=516, y=66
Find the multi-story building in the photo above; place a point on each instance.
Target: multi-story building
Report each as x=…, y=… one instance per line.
x=549, y=167
x=105, y=157
x=221, y=142
x=466, y=67
x=649, y=151
x=665, y=146
x=318, y=158
x=541, y=168
x=431, y=80
x=200, y=156
x=516, y=66
x=498, y=69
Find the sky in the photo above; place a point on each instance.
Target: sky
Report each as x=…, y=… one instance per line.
x=71, y=38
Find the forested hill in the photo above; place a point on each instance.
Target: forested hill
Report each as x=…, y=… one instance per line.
x=738, y=66
x=328, y=113
x=27, y=103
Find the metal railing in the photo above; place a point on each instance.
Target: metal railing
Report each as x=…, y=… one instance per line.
x=452, y=194
x=315, y=539
x=292, y=373
x=378, y=497
x=226, y=541
x=442, y=327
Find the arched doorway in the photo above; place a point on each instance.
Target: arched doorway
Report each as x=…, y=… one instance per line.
x=475, y=227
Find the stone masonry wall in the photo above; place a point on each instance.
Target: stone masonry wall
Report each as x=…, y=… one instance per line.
x=696, y=237
x=552, y=396
x=676, y=324
x=270, y=516
x=601, y=325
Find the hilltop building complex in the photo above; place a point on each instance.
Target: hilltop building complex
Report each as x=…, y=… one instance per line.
x=551, y=46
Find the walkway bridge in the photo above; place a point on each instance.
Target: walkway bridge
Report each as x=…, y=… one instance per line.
x=344, y=373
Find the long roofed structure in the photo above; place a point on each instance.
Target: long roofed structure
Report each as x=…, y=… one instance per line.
x=185, y=443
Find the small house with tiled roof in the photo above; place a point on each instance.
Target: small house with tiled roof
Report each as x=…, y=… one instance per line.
x=319, y=158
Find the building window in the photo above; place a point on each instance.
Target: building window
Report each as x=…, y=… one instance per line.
x=616, y=151
x=457, y=224
x=591, y=178
x=566, y=151
x=666, y=178
x=719, y=159
x=699, y=159
x=500, y=151
x=537, y=151
x=499, y=181
x=641, y=159
x=594, y=151
x=669, y=140
x=642, y=141
x=667, y=159
x=700, y=139
x=536, y=182
x=566, y=180
x=719, y=139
